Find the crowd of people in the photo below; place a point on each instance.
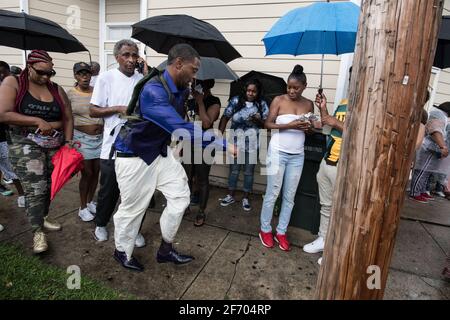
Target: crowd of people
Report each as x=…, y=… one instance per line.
x=123, y=121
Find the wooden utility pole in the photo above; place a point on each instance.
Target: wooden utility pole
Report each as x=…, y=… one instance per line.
x=391, y=71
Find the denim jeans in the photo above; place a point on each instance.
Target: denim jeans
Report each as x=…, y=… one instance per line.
x=249, y=169
x=284, y=169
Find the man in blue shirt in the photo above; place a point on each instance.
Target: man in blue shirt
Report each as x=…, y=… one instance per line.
x=144, y=162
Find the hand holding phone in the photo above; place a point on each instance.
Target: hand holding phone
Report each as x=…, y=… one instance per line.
x=140, y=66
x=198, y=88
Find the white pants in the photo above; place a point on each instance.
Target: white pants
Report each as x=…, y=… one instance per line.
x=326, y=179
x=137, y=182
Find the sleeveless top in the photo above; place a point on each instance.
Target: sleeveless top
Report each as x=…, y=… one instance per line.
x=288, y=140
x=80, y=102
x=48, y=111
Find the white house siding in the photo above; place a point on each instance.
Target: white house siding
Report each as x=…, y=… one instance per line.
x=443, y=89
x=122, y=11
x=56, y=10
x=10, y=55
x=244, y=24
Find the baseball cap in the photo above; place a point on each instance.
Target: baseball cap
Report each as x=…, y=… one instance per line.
x=80, y=66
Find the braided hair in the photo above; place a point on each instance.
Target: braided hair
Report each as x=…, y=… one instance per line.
x=36, y=56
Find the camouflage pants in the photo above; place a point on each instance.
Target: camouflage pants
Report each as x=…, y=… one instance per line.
x=33, y=166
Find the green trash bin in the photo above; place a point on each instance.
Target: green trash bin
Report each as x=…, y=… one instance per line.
x=306, y=211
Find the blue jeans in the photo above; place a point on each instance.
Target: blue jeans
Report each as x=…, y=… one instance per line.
x=235, y=168
x=285, y=170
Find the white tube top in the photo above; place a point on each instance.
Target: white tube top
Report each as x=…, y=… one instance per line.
x=287, y=140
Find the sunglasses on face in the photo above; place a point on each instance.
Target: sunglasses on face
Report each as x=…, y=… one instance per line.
x=44, y=73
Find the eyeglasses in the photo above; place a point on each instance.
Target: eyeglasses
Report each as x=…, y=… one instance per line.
x=49, y=74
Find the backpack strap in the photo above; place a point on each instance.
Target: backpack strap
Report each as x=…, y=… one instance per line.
x=134, y=110
x=166, y=86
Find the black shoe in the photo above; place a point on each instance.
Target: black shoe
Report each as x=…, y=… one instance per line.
x=152, y=204
x=132, y=264
x=174, y=257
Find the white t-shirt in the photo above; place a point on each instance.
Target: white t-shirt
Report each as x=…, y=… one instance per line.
x=113, y=88
x=93, y=81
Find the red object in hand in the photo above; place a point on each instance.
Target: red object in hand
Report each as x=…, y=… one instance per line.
x=66, y=162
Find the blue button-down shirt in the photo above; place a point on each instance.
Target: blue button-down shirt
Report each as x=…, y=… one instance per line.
x=150, y=140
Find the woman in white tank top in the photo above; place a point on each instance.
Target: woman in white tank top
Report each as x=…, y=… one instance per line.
x=285, y=156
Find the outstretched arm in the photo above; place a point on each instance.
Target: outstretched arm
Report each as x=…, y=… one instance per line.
x=155, y=107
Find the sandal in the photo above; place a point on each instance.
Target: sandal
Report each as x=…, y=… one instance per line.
x=200, y=220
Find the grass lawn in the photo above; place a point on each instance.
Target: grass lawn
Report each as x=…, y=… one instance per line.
x=26, y=277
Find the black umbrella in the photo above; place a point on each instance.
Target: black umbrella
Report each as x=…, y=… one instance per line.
x=442, y=57
x=211, y=68
x=271, y=86
x=27, y=32
x=162, y=32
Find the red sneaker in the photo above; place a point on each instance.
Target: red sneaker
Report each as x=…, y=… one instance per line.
x=266, y=239
x=283, y=243
x=420, y=199
x=427, y=196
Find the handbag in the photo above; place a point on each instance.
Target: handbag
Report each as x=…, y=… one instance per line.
x=48, y=142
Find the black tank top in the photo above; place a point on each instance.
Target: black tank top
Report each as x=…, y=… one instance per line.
x=48, y=111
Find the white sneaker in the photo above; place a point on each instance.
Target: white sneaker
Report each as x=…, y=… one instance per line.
x=1, y=228
x=51, y=226
x=428, y=193
x=140, y=241
x=246, y=204
x=39, y=242
x=21, y=201
x=227, y=200
x=319, y=261
x=92, y=207
x=85, y=215
x=6, y=181
x=315, y=247
x=440, y=194
x=101, y=234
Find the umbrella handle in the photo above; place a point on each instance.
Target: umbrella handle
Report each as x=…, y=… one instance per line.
x=75, y=143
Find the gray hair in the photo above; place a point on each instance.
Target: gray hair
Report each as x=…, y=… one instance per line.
x=183, y=51
x=124, y=42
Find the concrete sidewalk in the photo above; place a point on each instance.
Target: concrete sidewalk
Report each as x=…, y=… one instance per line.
x=230, y=261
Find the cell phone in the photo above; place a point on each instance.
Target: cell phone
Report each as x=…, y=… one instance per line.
x=140, y=66
x=199, y=89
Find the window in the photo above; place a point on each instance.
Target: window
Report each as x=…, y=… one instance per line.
x=118, y=32
x=111, y=62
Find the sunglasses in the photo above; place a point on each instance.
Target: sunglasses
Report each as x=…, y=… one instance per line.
x=49, y=74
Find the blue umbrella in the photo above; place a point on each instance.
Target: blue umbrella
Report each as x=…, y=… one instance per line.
x=320, y=28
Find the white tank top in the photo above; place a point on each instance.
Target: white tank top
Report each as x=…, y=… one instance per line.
x=288, y=140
